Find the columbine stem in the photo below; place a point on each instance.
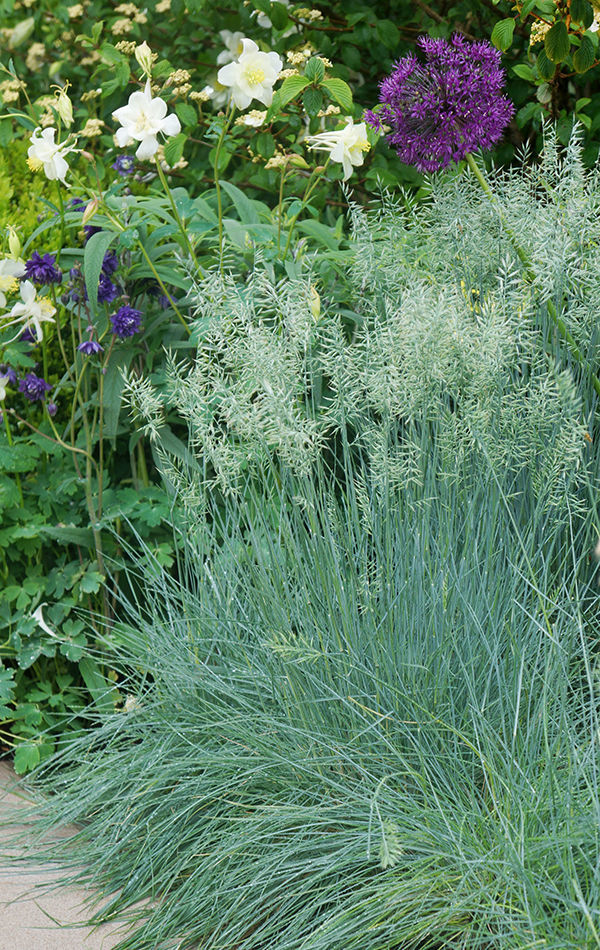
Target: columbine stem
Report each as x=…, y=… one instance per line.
x=176, y=214
x=10, y=442
x=310, y=187
x=530, y=275
x=224, y=131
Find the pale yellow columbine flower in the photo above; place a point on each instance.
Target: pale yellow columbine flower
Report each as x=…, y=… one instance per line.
x=10, y=271
x=45, y=153
x=31, y=312
x=347, y=145
x=252, y=76
x=142, y=119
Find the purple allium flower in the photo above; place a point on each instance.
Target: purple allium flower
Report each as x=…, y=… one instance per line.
x=90, y=347
x=124, y=164
x=7, y=370
x=451, y=105
x=34, y=387
x=107, y=291
x=52, y=408
x=42, y=269
x=110, y=263
x=126, y=322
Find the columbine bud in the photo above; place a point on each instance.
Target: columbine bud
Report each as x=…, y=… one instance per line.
x=14, y=243
x=90, y=210
x=298, y=161
x=315, y=302
x=64, y=106
x=143, y=54
x=21, y=32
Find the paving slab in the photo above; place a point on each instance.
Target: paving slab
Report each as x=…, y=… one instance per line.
x=34, y=917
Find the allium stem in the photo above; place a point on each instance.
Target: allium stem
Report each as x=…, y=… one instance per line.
x=530, y=275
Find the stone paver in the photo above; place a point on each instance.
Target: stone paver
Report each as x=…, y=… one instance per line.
x=33, y=918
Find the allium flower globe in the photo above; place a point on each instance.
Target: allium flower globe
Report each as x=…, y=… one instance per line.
x=450, y=106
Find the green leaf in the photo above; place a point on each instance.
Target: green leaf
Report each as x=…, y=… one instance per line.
x=278, y=16
x=523, y=71
x=27, y=756
x=174, y=148
x=545, y=68
x=340, y=91
x=187, y=113
x=502, y=34
x=557, y=43
x=292, y=86
x=582, y=12
x=312, y=100
x=585, y=57
x=91, y=581
x=113, y=389
x=244, y=206
x=93, y=257
x=100, y=689
x=314, y=69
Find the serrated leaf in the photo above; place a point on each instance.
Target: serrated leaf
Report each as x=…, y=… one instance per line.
x=523, y=71
x=340, y=91
x=557, y=43
x=292, y=87
x=174, y=149
x=545, y=68
x=186, y=113
x=315, y=69
x=93, y=258
x=585, y=57
x=502, y=34
x=312, y=100
x=582, y=12
x=278, y=16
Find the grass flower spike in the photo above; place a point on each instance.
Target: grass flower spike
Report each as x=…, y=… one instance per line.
x=45, y=153
x=347, y=145
x=252, y=76
x=142, y=119
x=451, y=106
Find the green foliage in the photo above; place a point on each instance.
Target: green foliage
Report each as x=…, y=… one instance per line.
x=362, y=718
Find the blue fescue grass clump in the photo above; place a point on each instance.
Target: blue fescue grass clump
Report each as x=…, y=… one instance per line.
x=361, y=718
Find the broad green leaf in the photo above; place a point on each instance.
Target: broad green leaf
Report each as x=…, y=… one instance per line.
x=187, y=113
x=278, y=16
x=545, y=67
x=502, y=34
x=243, y=205
x=27, y=756
x=340, y=91
x=315, y=69
x=113, y=390
x=557, y=43
x=93, y=257
x=523, y=71
x=292, y=86
x=312, y=100
x=582, y=12
x=174, y=148
x=585, y=57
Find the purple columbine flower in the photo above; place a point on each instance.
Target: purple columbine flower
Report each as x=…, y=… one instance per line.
x=124, y=164
x=52, y=408
x=34, y=387
x=126, y=322
x=451, y=105
x=90, y=347
x=76, y=204
x=27, y=336
x=110, y=263
x=7, y=370
x=42, y=269
x=107, y=291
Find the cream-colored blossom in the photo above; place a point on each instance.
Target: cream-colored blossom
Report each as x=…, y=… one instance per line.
x=45, y=153
x=126, y=46
x=347, y=145
x=36, y=55
x=538, y=32
x=122, y=27
x=252, y=76
x=92, y=128
x=141, y=121
x=163, y=6
x=76, y=11
x=253, y=118
x=32, y=311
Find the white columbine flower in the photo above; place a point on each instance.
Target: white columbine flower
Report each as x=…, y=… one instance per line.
x=142, y=119
x=38, y=616
x=252, y=76
x=4, y=382
x=32, y=312
x=10, y=271
x=233, y=47
x=45, y=153
x=347, y=145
